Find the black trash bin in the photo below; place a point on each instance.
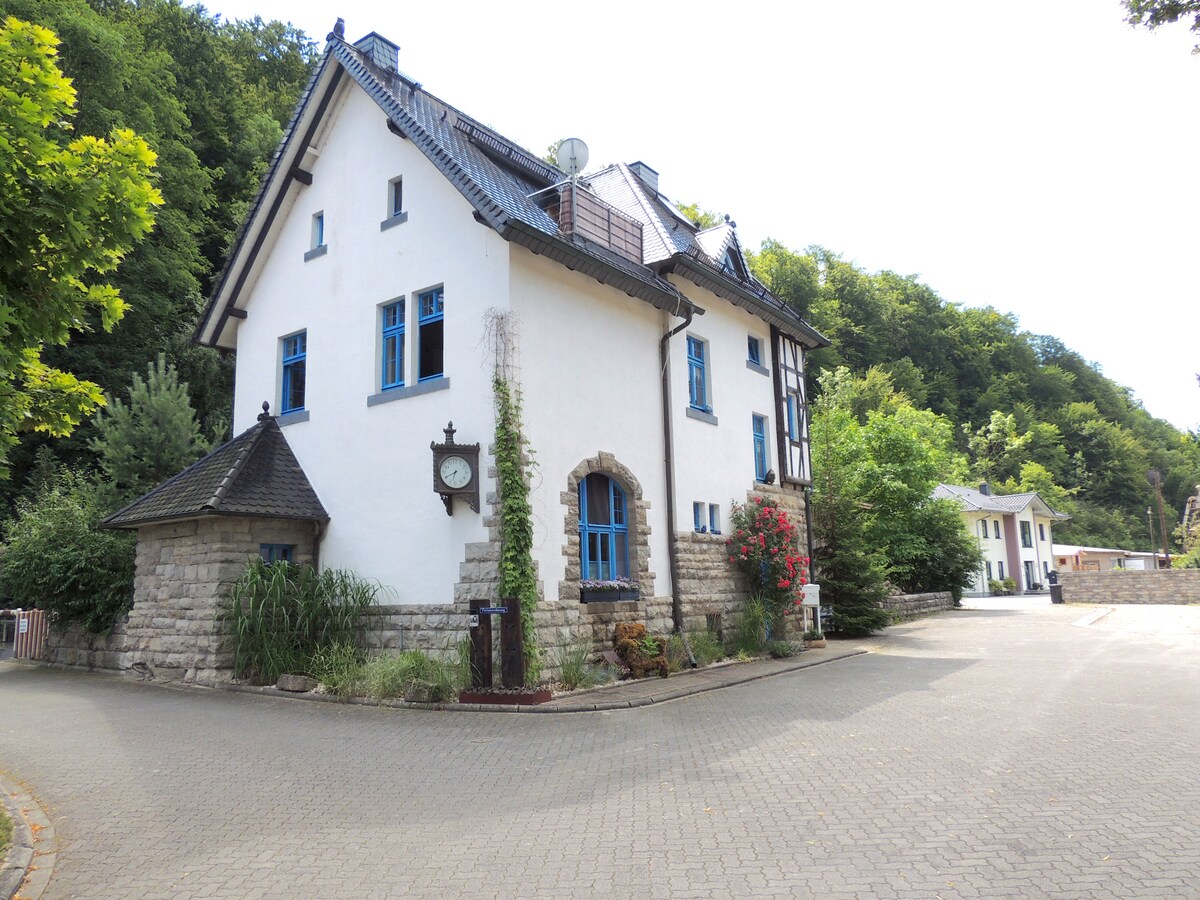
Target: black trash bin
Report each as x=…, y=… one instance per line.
x=1056, y=594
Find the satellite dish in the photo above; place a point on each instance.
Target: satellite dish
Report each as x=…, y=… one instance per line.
x=572, y=156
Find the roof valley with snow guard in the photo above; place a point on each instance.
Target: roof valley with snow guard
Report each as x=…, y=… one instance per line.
x=398, y=256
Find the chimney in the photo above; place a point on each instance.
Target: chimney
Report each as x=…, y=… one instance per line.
x=985, y=489
x=382, y=52
x=647, y=175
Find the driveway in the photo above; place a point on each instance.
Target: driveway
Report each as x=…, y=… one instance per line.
x=979, y=753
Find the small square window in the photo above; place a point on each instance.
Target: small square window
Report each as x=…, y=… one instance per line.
x=714, y=518
x=754, y=350
x=272, y=553
x=295, y=364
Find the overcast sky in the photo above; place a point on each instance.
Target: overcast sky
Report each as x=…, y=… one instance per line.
x=1040, y=158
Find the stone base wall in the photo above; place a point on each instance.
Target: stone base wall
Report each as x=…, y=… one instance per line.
x=907, y=605
x=1168, y=586
x=183, y=571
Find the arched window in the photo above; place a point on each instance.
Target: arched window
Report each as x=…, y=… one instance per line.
x=603, y=529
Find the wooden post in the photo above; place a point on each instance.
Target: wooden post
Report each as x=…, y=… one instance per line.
x=512, y=649
x=481, y=648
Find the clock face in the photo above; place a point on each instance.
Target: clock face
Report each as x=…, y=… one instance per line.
x=455, y=472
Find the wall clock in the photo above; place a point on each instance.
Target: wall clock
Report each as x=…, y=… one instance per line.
x=455, y=470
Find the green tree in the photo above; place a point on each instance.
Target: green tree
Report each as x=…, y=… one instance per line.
x=1153, y=13
x=147, y=440
x=703, y=218
x=72, y=208
x=56, y=559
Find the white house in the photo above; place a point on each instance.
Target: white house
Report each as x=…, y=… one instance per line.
x=1013, y=531
x=398, y=255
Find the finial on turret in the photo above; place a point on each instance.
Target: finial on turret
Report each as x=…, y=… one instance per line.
x=266, y=411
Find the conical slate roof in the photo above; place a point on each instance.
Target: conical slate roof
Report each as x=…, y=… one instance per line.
x=255, y=474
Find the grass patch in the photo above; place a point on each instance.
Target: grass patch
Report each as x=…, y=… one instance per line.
x=577, y=669
x=414, y=676
x=283, y=616
x=6, y=830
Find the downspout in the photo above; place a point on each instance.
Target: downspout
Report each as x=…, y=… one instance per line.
x=669, y=465
x=318, y=533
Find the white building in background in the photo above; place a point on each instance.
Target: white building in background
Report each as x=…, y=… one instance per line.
x=1014, y=532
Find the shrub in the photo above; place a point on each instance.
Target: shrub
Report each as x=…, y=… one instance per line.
x=576, y=668
x=283, y=615
x=57, y=560
x=765, y=547
x=781, y=649
x=642, y=654
x=706, y=650
x=750, y=628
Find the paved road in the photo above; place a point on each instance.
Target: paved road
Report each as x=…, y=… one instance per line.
x=982, y=753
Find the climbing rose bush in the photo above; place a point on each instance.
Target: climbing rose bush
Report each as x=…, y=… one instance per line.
x=765, y=547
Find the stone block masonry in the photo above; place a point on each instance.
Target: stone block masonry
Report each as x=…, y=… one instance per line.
x=1168, y=586
x=183, y=573
x=906, y=606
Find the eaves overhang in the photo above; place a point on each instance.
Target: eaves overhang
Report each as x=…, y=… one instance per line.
x=134, y=525
x=770, y=310
x=637, y=283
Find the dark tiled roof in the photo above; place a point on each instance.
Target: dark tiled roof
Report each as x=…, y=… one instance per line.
x=501, y=181
x=255, y=474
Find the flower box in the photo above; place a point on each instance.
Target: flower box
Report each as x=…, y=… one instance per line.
x=608, y=596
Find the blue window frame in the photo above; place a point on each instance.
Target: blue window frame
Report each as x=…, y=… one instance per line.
x=603, y=530
x=697, y=375
x=793, y=417
x=430, y=334
x=714, y=518
x=318, y=230
x=697, y=516
x=277, y=552
x=754, y=350
x=393, y=345
x=759, y=427
x=295, y=356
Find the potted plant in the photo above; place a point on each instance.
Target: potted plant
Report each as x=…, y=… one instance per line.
x=616, y=590
x=814, y=640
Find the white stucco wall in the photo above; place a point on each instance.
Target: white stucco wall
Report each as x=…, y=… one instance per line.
x=588, y=363
x=372, y=466
x=715, y=463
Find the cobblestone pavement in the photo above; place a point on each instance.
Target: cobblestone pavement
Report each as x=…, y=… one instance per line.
x=981, y=753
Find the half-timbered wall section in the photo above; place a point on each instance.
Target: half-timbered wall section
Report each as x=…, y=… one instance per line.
x=792, y=419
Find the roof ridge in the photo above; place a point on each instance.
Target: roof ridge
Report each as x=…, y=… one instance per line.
x=639, y=193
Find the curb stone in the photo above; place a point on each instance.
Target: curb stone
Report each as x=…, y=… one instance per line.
x=564, y=703
x=18, y=872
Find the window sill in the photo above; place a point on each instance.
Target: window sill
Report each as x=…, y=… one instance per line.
x=701, y=415
x=398, y=219
x=315, y=252
x=413, y=390
x=755, y=367
x=291, y=418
